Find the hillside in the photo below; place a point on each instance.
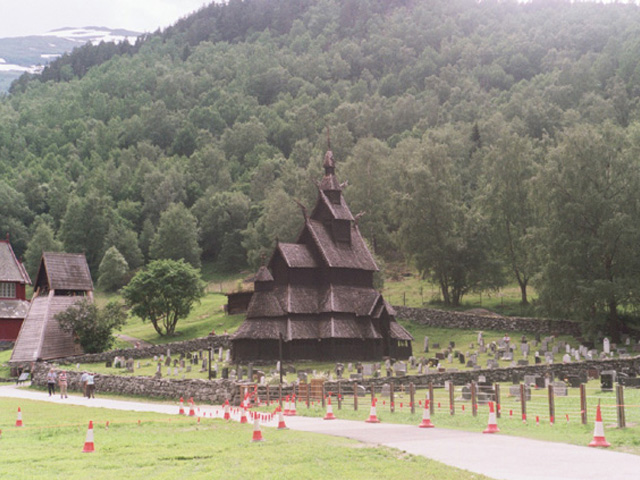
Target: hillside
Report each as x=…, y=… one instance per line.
x=465, y=130
x=31, y=53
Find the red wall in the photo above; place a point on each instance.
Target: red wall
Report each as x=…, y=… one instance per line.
x=9, y=328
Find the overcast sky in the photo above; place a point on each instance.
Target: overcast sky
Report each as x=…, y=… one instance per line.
x=27, y=17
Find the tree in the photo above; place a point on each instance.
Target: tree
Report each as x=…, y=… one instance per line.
x=177, y=236
x=163, y=293
x=42, y=240
x=113, y=270
x=507, y=199
x=92, y=328
x=591, y=231
x=446, y=239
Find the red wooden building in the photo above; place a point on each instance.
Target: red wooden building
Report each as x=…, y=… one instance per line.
x=13, y=303
x=316, y=299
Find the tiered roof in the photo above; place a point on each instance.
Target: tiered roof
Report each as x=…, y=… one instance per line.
x=336, y=299
x=11, y=270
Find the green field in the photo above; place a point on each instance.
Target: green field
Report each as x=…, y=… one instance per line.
x=50, y=443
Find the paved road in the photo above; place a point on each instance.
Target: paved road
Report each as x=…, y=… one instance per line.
x=497, y=456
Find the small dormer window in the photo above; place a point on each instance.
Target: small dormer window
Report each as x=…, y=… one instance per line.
x=7, y=290
x=342, y=231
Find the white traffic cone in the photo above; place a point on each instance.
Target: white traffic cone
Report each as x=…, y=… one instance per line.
x=493, y=423
x=426, y=416
x=181, y=411
x=257, y=433
x=598, y=432
x=373, y=416
x=329, y=415
x=281, y=424
x=88, y=442
x=19, y=419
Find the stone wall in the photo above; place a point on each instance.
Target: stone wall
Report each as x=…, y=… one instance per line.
x=212, y=392
x=187, y=346
x=494, y=375
x=469, y=321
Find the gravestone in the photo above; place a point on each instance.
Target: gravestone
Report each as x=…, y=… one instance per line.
x=480, y=339
x=400, y=369
x=175, y=362
x=188, y=368
x=508, y=356
x=555, y=349
x=450, y=358
x=606, y=346
x=607, y=379
x=514, y=391
x=205, y=365
x=560, y=389
x=356, y=376
x=367, y=369
x=462, y=359
x=182, y=363
x=566, y=358
x=130, y=365
x=574, y=381
x=167, y=362
x=530, y=379
x=386, y=391
x=440, y=355
x=168, y=371
x=426, y=345
x=225, y=373
x=175, y=370
x=436, y=345
x=523, y=363
x=466, y=392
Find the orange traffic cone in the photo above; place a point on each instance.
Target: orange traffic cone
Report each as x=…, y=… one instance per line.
x=243, y=418
x=257, y=433
x=373, y=417
x=19, y=419
x=287, y=407
x=281, y=424
x=598, y=432
x=493, y=424
x=192, y=411
x=292, y=407
x=329, y=415
x=426, y=416
x=227, y=415
x=181, y=411
x=88, y=442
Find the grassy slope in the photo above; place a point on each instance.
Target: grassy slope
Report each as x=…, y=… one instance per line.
x=164, y=447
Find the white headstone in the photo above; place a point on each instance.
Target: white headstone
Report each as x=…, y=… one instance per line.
x=606, y=348
x=566, y=358
x=567, y=348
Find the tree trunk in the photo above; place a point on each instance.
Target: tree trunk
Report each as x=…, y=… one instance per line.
x=614, y=325
x=523, y=292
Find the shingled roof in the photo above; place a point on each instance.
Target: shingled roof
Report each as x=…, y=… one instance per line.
x=64, y=271
x=322, y=290
x=11, y=270
x=41, y=336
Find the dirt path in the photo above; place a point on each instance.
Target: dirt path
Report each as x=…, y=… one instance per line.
x=133, y=341
x=497, y=456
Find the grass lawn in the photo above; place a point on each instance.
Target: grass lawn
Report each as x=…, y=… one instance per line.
x=49, y=445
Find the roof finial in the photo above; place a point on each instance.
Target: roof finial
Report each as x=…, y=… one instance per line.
x=302, y=207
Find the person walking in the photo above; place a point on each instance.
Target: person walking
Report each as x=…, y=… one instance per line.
x=62, y=384
x=83, y=381
x=51, y=381
x=91, y=386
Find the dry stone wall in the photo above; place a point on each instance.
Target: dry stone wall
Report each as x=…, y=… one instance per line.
x=203, y=391
x=470, y=321
x=187, y=346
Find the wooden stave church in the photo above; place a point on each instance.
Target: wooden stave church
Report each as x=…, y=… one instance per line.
x=315, y=299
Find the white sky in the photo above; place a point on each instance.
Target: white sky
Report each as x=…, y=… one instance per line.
x=26, y=17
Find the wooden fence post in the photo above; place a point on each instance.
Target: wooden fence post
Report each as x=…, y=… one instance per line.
x=523, y=401
x=280, y=394
x=583, y=403
x=552, y=404
x=412, y=397
x=474, y=400
x=268, y=399
x=452, y=407
x=308, y=394
x=496, y=390
x=620, y=406
x=355, y=396
x=324, y=394
x=432, y=407
x=339, y=395
x=392, y=404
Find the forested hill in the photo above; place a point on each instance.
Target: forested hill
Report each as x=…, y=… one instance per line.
x=486, y=141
